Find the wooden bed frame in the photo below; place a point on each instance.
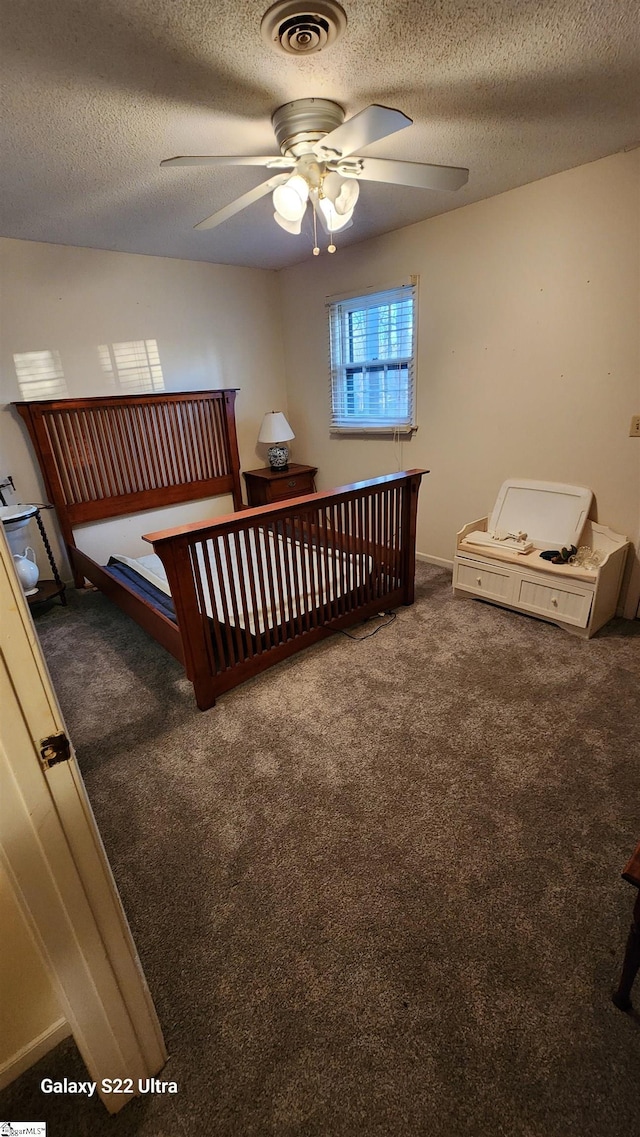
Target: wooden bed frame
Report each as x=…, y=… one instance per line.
x=117, y=455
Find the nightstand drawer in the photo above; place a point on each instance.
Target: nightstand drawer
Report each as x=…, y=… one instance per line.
x=290, y=487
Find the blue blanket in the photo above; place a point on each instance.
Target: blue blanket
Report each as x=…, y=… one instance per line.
x=143, y=588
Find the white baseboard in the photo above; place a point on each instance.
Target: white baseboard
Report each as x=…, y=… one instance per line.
x=33, y=1052
x=441, y=561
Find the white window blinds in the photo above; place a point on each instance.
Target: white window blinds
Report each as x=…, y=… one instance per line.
x=372, y=358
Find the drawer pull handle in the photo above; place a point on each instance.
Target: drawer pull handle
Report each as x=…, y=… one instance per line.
x=554, y=601
x=478, y=580
x=291, y=483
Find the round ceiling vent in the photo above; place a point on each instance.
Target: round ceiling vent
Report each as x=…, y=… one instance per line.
x=296, y=30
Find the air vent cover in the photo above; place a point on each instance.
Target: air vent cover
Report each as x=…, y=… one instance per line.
x=295, y=30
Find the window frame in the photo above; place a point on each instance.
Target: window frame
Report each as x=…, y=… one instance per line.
x=341, y=311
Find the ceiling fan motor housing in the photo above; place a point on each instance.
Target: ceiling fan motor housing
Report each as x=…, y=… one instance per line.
x=295, y=30
x=301, y=123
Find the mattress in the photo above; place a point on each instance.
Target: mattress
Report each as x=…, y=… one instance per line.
x=310, y=576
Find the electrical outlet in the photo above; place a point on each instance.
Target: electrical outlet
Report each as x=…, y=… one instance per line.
x=634, y=429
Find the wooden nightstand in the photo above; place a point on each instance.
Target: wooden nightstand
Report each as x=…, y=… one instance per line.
x=264, y=487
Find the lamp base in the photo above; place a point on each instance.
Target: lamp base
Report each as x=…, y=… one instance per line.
x=278, y=456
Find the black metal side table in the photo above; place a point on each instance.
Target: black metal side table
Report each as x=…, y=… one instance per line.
x=47, y=589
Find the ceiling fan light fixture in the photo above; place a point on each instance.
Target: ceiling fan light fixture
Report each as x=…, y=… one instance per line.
x=319, y=145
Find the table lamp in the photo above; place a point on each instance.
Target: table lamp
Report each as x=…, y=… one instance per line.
x=276, y=432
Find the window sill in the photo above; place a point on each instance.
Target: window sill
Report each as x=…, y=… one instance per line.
x=373, y=431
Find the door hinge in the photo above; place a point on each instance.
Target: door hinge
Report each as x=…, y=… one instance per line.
x=56, y=748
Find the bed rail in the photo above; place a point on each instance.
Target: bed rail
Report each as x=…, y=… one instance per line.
x=252, y=588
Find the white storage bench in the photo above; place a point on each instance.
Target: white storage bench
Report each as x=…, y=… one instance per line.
x=580, y=600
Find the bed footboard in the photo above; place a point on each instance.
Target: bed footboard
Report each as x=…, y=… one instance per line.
x=254, y=587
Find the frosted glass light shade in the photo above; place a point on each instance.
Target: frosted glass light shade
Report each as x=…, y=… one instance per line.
x=342, y=192
x=275, y=428
x=290, y=199
x=288, y=226
x=348, y=196
x=335, y=221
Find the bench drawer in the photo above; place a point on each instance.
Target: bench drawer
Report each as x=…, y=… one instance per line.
x=494, y=583
x=564, y=601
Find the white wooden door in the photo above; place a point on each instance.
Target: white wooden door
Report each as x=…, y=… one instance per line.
x=55, y=860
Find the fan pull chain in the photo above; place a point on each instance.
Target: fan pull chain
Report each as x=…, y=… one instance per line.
x=331, y=247
x=316, y=250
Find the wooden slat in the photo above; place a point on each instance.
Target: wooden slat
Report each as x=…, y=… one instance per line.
x=276, y=631
x=202, y=604
x=327, y=553
x=287, y=604
x=124, y=457
x=227, y=555
x=217, y=554
x=252, y=577
x=215, y=619
x=314, y=581
x=306, y=605
x=379, y=544
x=243, y=607
x=50, y=428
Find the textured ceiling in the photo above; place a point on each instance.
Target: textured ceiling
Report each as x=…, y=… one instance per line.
x=97, y=92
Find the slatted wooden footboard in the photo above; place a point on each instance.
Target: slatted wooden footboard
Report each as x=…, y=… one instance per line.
x=252, y=588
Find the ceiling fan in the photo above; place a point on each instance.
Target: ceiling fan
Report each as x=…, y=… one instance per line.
x=318, y=164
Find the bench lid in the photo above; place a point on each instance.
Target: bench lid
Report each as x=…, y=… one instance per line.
x=550, y=513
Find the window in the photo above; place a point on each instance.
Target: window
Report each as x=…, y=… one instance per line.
x=372, y=346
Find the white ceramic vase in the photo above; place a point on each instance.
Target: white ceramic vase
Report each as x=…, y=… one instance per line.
x=27, y=570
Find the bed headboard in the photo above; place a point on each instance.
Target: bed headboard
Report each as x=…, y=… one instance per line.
x=113, y=455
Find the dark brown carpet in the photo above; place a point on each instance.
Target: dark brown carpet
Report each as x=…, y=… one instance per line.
x=376, y=891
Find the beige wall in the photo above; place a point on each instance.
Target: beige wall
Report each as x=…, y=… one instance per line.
x=528, y=354
x=528, y=357
x=214, y=325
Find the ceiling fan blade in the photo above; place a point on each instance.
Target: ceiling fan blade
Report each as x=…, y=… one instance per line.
x=367, y=126
x=241, y=203
x=274, y=161
x=419, y=174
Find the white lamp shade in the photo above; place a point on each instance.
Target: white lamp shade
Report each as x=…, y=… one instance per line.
x=335, y=221
x=348, y=196
x=288, y=226
x=275, y=428
x=290, y=199
x=342, y=192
